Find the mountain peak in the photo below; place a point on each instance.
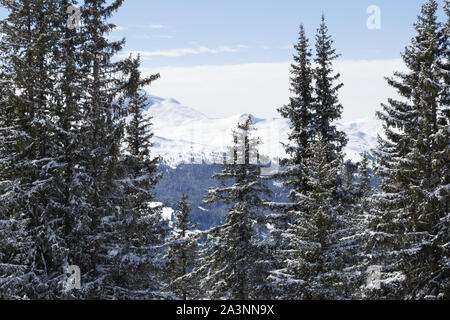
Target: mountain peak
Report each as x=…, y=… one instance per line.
x=244, y=116
x=170, y=112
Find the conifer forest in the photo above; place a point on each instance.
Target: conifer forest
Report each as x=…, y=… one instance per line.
x=84, y=194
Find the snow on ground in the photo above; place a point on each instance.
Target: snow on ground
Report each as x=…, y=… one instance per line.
x=167, y=213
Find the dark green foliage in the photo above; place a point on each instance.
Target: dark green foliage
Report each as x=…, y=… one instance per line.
x=233, y=261
x=135, y=234
x=35, y=162
x=181, y=257
x=326, y=103
x=311, y=233
x=411, y=222
x=65, y=183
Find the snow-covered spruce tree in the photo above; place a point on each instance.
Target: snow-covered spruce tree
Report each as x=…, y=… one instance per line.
x=360, y=235
x=34, y=169
x=350, y=187
x=98, y=158
x=136, y=233
x=412, y=207
x=441, y=165
x=233, y=262
x=439, y=286
x=181, y=254
x=14, y=244
x=320, y=244
x=62, y=172
x=300, y=114
x=355, y=192
x=365, y=187
x=299, y=111
x=69, y=110
x=14, y=239
x=112, y=177
x=316, y=242
x=327, y=108
x=7, y=241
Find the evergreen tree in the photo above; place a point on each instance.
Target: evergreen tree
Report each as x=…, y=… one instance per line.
x=409, y=222
x=364, y=177
x=320, y=247
x=68, y=117
x=10, y=275
x=350, y=188
x=300, y=114
x=181, y=256
x=299, y=111
x=327, y=108
x=315, y=248
x=439, y=286
x=135, y=233
x=68, y=194
x=234, y=260
x=361, y=211
x=33, y=168
x=355, y=193
x=102, y=124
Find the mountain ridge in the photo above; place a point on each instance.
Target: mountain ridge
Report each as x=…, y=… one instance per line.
x=184, y=135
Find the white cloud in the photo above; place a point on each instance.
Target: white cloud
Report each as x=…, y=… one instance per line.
x=157, y=26
x=179, y=52
x=140, y=26
x=261, y=88
x=147, y=36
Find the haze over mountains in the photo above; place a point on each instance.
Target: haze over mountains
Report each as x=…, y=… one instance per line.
x=185, y=135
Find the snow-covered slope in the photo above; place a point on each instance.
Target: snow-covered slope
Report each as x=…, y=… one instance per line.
x=169, y=112
x=185, y=135
x=362, y=136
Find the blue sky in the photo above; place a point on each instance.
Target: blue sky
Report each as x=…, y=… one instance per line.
x=228, y=57
x=260, y=30
x=225, y=57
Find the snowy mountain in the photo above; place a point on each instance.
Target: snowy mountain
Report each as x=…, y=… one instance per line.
x=185, y=135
